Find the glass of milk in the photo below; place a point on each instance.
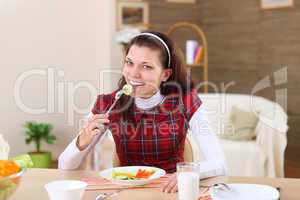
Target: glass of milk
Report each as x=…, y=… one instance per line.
x=188, y=180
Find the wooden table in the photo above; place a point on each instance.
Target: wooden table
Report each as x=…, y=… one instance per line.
x=32, y=186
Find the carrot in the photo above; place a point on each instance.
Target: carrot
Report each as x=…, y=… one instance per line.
x=143, y=173
x=8, y=167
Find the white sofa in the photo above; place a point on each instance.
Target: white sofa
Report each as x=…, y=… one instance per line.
x=263, y=156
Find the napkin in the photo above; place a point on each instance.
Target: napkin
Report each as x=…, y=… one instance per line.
x=95, y=184
x=102, y=184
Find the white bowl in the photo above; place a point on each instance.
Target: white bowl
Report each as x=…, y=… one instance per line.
x=66, y=189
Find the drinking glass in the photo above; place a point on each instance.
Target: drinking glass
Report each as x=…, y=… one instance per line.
x=188, y=179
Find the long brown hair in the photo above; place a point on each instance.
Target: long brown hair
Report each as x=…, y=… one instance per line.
x=179, y=83
x=179, y=79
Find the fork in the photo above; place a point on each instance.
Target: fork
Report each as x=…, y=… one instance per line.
x=221, y=186
x=105, y=195
x=117, y=97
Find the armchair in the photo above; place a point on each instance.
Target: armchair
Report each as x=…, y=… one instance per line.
x=263, y=156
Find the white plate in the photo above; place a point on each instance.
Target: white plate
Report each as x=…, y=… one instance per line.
x=132, y=169
x=246, y=192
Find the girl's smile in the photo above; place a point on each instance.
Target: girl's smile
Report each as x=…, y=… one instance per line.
x=144, y=71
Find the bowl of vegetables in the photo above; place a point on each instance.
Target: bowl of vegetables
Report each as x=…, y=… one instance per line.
x=11, y=172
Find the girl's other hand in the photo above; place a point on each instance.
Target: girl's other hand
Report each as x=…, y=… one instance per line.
x=170, y=186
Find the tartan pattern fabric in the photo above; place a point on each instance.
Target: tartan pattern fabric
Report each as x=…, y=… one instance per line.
x=154, y=137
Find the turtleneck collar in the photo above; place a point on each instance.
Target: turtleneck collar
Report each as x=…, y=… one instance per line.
x=148, y=103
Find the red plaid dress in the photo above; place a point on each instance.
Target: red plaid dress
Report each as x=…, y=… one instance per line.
x=154, y=137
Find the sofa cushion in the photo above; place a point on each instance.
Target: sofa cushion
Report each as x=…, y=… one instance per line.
x=241, y=125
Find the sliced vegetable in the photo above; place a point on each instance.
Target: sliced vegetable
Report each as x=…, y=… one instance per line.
x=141, y=174
x=23, y=160
x=8, y=167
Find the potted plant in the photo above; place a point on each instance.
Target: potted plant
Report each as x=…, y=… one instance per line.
x=37, y=132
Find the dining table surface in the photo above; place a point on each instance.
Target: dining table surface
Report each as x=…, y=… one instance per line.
x=33, y=181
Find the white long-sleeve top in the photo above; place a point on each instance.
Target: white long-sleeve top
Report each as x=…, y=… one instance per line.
x=213, y=161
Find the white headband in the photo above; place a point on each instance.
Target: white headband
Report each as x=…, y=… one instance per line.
x=161, y=41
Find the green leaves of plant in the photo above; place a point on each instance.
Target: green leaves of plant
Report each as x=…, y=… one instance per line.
x=36, y=132
x=51, y=139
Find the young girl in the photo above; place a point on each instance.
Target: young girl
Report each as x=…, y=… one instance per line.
x=149, y=127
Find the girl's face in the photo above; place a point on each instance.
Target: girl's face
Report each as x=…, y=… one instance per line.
x=144, y=71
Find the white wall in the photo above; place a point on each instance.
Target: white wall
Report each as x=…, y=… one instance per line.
x=72, y=36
